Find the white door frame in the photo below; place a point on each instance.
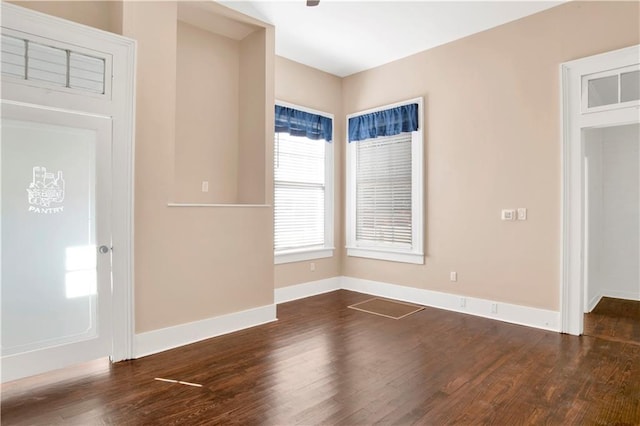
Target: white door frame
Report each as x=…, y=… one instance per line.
x=574, y=121
x=119, y=104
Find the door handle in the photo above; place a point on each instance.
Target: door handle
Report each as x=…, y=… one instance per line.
x=104, y=249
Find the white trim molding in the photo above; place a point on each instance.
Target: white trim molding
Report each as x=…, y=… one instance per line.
x=167, y=338
x=302, y=255
x=392, y=256
x=313, y=288
x=591, y=304
x=217, y=205
x=516, y=314
x=617, y=294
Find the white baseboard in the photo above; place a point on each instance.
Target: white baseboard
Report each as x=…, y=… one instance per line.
x=516, y=314
x=171, y=337
x=593, y=302
x=300, y=291
x=507, y=312
x=629, y=295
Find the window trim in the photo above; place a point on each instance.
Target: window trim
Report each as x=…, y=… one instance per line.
x=379, y=251
x=326, y=250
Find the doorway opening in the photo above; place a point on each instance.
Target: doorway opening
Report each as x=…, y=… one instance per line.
x=612, y=232
x=600, y=105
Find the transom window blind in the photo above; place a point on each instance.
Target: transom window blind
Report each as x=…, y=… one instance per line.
x=383, y=190
x=299, y=192
x=33, y=61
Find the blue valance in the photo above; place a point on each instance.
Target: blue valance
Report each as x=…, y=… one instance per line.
x=388, y=122
x=300, y=123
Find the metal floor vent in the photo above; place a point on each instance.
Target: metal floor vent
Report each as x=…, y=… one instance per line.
x=33, y=61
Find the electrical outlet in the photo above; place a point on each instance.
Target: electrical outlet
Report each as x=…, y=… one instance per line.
x=522, y=213
x=463, y=302
x=494, y=308
x=312, y=267
x=205, y=186
x=508, y=214
x=453, y=276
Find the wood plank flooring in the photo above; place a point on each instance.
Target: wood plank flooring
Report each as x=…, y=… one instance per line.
x=614, y=319
x=323, y=363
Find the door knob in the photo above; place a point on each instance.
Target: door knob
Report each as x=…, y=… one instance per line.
x=104, y=249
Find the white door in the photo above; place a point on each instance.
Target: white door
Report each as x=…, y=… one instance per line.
x=56, y=238
x=66, y=193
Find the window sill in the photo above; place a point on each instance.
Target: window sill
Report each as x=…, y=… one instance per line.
x=392, y=256
x=301, y=255
x=215, y=205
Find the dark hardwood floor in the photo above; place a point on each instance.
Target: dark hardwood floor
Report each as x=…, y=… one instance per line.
x=614, y=319
x=323, y=363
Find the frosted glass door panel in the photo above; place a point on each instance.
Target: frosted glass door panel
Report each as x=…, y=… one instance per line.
x=49, y=274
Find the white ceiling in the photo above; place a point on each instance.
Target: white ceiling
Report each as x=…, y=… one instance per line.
x=345, y=37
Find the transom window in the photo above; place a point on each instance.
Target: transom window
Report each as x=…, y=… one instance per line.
x=52, y=66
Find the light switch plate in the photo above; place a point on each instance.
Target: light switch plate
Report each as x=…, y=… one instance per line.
x=508, y=214
x=522, y=213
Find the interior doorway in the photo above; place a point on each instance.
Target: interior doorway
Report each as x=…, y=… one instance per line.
x=600, y=113
x=612, y=232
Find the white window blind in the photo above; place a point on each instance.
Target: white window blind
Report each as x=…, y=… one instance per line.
x=86, y=73
x=33, y=61
x=383, y=190
x=14, y=56
x=299, y=192
x=46, y=64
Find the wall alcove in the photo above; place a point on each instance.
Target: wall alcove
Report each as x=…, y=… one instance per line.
x=222, y=108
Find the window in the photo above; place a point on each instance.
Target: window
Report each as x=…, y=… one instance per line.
x=617, y=88
x=52, y=66
x=385, y=183
x=303, y=184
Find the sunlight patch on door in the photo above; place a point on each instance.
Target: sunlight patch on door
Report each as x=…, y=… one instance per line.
x=81, y=277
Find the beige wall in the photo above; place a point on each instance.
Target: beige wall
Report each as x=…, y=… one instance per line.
x=190, y=263
x=207, y=108
x=308, y=87
x=220, y=117
x=492, y=141
x=251, y=144
x=105, y=15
